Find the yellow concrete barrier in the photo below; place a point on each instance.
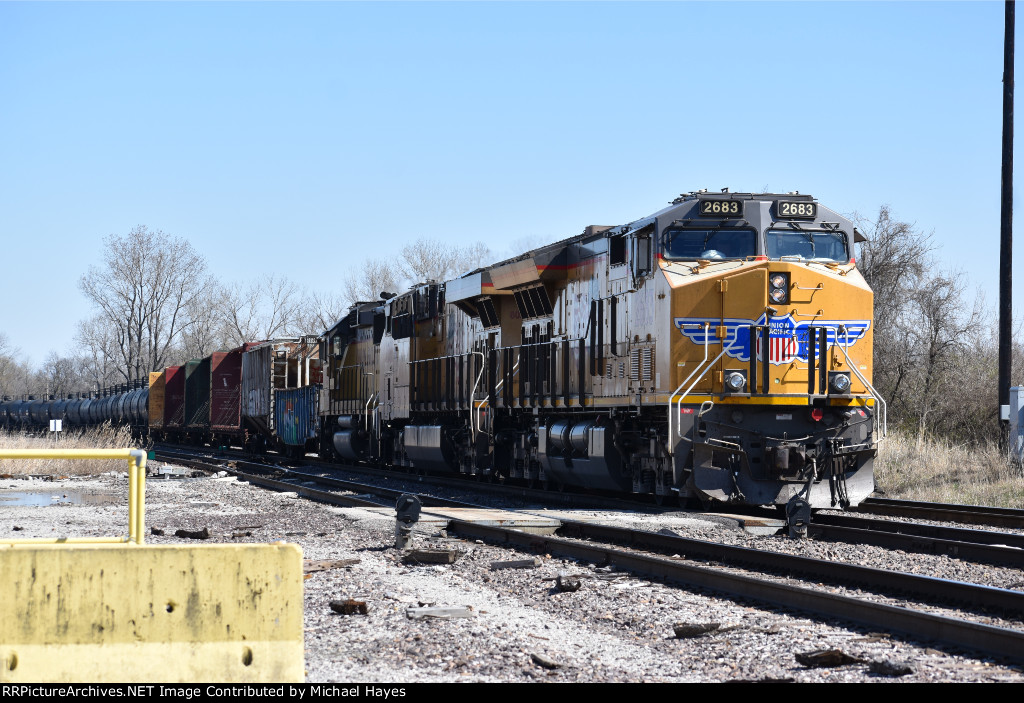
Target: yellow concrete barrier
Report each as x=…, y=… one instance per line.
x=160, y=613
x=89, y=610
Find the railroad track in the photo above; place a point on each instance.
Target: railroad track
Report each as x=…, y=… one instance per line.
x=944, y=512
x=978, y=546
x=760, y=575
x=512, y=492
x=300, y=482
x=1004, y=642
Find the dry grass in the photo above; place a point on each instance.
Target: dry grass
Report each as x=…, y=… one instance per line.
x=935, y=470
x=103, y=437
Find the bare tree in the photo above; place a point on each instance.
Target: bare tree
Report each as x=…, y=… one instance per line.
x=471, y=258
x=143, y=289
x=267, y=308
x=937, y=340
x=7, y=362
x=373, y=278
x=934, y=351
x=523, y=244
x=430, y=260
x=420, y=261
x=15, y=374
x=205, y=331
x=893, y=261
x=426, y=260
x=97, y=352
x=60, y=375
x=320, y=311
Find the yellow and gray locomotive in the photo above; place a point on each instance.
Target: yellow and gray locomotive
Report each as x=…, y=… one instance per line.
x=718, y=350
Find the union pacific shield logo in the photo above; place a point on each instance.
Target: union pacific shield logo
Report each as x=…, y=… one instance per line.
x=787, y=339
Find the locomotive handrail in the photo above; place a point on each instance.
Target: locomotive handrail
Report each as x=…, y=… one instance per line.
x=538, y=344
x=486, y=401
x=487, y=398
x=515, y=370
x=366, y=411
x=679, y=403
x=483, y=365
x=337, y=378
x=882, y=417
x=472, y=396
x=437, y=358
x=707, y=341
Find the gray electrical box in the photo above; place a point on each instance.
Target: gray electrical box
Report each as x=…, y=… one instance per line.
x=1017, y=423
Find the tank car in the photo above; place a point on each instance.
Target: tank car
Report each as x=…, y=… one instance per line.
x=718, y=351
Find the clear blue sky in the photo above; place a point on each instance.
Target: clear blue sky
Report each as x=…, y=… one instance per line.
x=302, y=138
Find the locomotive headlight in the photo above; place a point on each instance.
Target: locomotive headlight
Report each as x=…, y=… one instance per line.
x=735, y=381
x=839, y=382
x=778, y=288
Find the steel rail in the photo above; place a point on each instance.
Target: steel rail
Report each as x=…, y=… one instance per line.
x=975, y=552
x=323, y=496
x=278, y=484
x=918, y=529
x=839, y=573
x=312, y=493
x=972, y=514
x=569, y=498
x=997, y=641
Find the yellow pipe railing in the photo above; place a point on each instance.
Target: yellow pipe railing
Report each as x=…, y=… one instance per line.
x=136, y=488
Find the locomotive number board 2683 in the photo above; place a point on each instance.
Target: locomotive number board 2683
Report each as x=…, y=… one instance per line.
x=721, y=208
x=789, y=209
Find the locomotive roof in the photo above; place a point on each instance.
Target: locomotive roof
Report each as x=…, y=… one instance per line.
x=595, y=232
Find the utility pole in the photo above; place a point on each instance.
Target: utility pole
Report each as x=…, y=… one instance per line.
x=1006, y=233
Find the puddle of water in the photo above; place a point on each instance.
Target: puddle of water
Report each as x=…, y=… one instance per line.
x=62, y=497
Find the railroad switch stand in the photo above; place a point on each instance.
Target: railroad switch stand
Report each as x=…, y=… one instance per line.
x=407, y=513
x=798, y=517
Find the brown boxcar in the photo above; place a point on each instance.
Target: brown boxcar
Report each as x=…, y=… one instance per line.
x=174, y=398
x=197, y=395
x=226, y=394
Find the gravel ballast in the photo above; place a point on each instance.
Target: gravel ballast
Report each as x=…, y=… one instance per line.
x=467, y=621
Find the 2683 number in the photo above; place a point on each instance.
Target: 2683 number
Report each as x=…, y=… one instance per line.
x=720, y=208
x=791, y=209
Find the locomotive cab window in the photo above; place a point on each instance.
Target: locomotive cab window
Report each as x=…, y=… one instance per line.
x=808, y=245
x=722, y=243
x=617, y=250
x=640, y=255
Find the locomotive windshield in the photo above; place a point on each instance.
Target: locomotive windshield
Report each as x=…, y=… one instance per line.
x=723, y=243
x=813, y=245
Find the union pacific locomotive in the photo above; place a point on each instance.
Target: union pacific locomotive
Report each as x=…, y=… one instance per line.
x=717, y=351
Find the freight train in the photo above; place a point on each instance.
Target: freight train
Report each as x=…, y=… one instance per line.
x=718, y=351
